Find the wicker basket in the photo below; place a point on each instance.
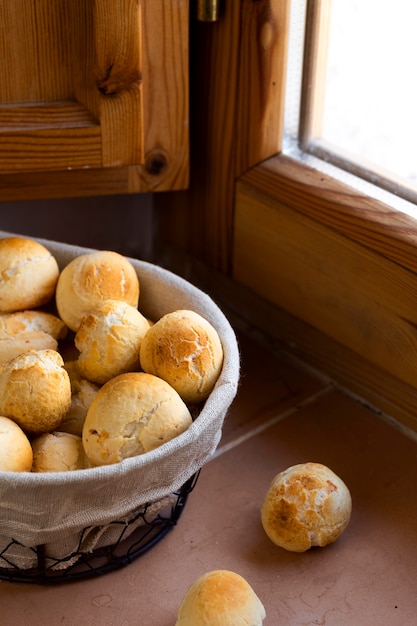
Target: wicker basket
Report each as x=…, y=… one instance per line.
x=51, y=521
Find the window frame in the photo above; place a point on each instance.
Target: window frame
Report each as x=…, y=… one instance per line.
x=312, y=94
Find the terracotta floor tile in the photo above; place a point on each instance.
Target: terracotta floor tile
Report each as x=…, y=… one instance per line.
x=366, y=578
x=269, y=386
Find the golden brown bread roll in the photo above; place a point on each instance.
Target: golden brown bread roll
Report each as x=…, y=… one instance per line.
x=58, y=452
x=15, y=448
x=29, y=330
x=306, y=505
x=132, y=414
x=82, y=394
x=28, y=272
x=109, y=339
x=35, y=390
x=184, y=349
x=91, y=278
x=220, y=598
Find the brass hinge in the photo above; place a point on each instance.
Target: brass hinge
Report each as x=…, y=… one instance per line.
x=208, y=10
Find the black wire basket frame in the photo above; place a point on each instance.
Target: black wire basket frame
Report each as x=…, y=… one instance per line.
x=83, y=565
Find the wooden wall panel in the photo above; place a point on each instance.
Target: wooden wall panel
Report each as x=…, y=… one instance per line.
x=261, y=90
x=237, y=72
x=358, y=304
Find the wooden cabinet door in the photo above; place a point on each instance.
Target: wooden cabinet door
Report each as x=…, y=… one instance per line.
x=93, y=97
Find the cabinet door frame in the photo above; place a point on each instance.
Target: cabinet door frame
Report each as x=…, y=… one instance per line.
x=162, y=162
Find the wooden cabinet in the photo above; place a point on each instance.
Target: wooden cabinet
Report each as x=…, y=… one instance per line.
x=93, y=97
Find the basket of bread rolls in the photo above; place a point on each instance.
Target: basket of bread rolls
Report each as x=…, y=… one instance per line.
x=115, y=379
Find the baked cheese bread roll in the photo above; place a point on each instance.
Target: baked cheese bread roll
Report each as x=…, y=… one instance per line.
x=306, y=505
x=29, y=330
x=35, y=390
x=131, y=414
x=184, y=349
x=220, y=598
x=109, y=340
x=15, y=449
x=83, y=392
x=29, y=274
x=58, y=452
x=89, y=279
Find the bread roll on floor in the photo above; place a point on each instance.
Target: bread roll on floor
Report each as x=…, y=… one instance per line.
x=306, y=505
x=220, y=598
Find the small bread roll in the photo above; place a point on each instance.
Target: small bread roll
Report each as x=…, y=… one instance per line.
x=82, y=394
x=58, y=452
x=184, y=349
x=306, y=505
x=91, y=278
x=29, y=274
x=132, y=414
x=29, y=330
x=109, y=339
x=35, y=390
x=15, y=448
x=220, y=598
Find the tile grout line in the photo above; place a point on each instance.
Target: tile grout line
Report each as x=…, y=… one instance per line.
x=405, y=430
x=271, y=422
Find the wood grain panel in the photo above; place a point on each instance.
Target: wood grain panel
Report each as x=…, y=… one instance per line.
x=236, y=77
x=166, y=95
x=355, y=296
x=118, y=80
x=374, y=224
x=48, y=136
x=261, y=94
x=34, y=51
x=124, y=61
x=64, y=183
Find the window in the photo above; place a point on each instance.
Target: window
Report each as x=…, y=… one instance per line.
x=351, y=96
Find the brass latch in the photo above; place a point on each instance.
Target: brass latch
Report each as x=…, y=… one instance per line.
x=208, y=10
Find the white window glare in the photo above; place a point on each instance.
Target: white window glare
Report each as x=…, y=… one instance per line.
x=370, y=96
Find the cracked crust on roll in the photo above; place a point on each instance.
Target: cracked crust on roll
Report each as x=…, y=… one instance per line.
x=35, y=390
x=131, y=414
x=184, y=349
x=306, y=505
x=91, y=278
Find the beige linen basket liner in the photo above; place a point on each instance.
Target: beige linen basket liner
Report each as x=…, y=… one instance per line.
x=53, y=509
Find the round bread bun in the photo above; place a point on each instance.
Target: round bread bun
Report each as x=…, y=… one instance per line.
x=109, y=339
x=58, y=452
x=131, y=414
x=91, y=278
x=82, y=394
x=35, y=390
x=306, y=505
x=29, y=330
x=15, y=448
x=184, y=349
x=220, y=598
x=29, y=274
